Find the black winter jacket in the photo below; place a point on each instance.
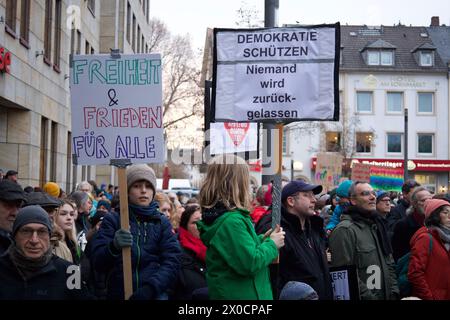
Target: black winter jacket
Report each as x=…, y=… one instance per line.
x=49, y=283
x=5, y=241
x=303, y=256
x=397, y=213
x=403, y=232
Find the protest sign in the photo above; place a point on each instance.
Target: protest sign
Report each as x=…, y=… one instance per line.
x=386, y=178
x=361, y=172
x=116, y=108
x=344, y=281
x=276, y=74
x=233, y=137
x=328, y=170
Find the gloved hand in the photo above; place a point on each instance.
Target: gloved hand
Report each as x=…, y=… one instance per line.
x=144, y=293
x=122, y=239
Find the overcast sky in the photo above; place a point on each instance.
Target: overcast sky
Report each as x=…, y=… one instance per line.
x=194, y=16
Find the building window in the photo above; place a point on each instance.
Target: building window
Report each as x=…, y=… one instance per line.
x=48, y=31
x=394, y=102
x=425, y=143
x=383, y=57
x=425, y=102
x=43, y=152
x=394, y=142
x=91, y=6
x=364, y=102
x=53, y=150
x=128, y=23
x=285, y=141
x=10, y=19
x=426, y=59
x=138, y=49
x=57, y=49
x=133, y=44
x=78, y=42
x=92, y=50
x=333, y=141
x=25, y=23
x=364, y=142
x=87, y=49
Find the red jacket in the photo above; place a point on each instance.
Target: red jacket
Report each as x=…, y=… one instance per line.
x=428, y=272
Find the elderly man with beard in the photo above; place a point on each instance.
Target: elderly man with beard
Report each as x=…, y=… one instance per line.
x=414, y=220
x=361, y=239
x=29, y=270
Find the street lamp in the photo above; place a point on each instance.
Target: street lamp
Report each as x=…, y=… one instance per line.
x=405, y=160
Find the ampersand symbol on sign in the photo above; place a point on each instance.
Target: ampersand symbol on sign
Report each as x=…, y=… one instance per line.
x=112, y=96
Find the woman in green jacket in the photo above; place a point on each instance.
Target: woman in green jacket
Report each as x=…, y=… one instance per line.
x=237, y=259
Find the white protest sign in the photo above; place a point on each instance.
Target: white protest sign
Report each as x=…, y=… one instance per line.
x=276, y=74
x=116, y=108
x=340, y=284
x=233, y=137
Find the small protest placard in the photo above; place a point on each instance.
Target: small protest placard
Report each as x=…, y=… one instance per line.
x=276, y=74
x=116, y=108
x=328, y=170
x=344, y=281
x=361, y=172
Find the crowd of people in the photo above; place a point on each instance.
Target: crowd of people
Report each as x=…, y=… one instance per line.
x=221, y=244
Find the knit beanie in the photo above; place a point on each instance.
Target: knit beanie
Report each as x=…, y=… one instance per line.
x=52, y=189
x=343, y=188
x=432, y=204
x=31, y=214
x=141, y=172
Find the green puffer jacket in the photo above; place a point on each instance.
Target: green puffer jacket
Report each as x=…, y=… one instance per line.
x=237, y=259
x=356, y=243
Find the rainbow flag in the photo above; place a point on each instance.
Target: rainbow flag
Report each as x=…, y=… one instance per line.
x=384, y=178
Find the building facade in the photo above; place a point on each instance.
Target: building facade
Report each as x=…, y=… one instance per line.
x=384, y=71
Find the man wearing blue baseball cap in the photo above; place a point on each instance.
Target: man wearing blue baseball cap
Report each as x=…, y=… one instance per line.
x=303, y=258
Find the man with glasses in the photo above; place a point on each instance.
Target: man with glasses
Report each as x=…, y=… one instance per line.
x=414, y=220
x=303, y=258
x=29, y=270
x=11, y=196
x=361, y=239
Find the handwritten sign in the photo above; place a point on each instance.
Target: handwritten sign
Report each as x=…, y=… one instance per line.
x=276, y=74
x=117, y=108
x=344, y=281
x=328, y=170
x=233, y=137
x=361, y=172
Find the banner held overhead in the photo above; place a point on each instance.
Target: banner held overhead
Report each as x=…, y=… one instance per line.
x=276, y=74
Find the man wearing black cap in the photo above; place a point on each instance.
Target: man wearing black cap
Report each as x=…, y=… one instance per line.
x=12, y=175
x=29, y=270
x=11, y=197
x=303, y=257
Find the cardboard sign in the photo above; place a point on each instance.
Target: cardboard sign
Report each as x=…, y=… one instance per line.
x=361, y=172
x=328, y=170
x=276, y=74
x=344, y=281
x=116, y=108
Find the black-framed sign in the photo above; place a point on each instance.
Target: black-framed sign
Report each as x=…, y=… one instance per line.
x=276, y=74
x=345, y=283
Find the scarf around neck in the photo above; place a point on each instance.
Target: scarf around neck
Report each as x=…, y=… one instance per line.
x=28, y=266
x=149, y=210
x=373, y=217
x=444, y=234
x=188, y=241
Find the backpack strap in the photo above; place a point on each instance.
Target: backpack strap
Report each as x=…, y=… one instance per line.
x=431, y=242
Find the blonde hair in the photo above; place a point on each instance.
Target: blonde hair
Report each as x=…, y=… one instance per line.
x=162, y=198
x=72, y=235
x=227, y=181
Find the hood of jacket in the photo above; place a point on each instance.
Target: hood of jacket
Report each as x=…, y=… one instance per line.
x=209, y=225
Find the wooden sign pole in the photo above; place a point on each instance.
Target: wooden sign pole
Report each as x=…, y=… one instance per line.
x=124, y=224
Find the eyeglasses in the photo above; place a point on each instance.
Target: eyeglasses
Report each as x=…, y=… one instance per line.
x=367, y=193
x=28, y=233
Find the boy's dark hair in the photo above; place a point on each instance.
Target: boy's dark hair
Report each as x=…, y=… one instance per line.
x=408, y=185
